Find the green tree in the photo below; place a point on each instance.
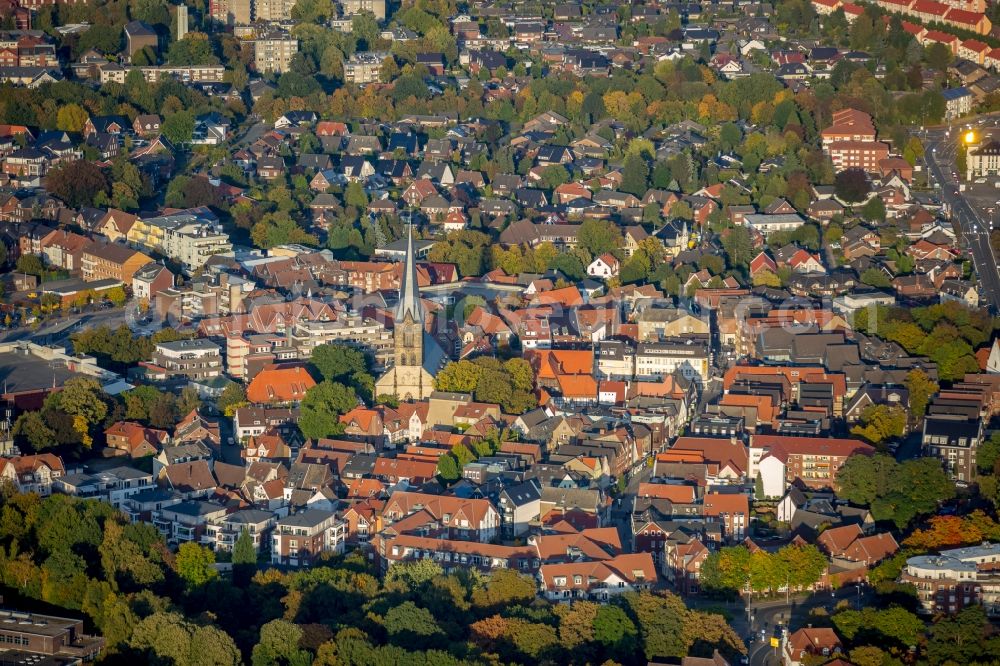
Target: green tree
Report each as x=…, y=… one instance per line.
x=195, y=564
x=989, y=453
x=635, y=175
x=232, y=397
x=553, y=176
x=244, y=552
x=599, y=236
x=31, y=428
x=168, y=638
x=279, y=644
x=178, y=127
x=322, y=407
x=615, y=630
x=863, y=479
x=410, y=623
x=874, y=210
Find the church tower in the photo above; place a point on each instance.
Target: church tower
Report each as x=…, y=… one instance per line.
x=408, y=379
x=408, y=334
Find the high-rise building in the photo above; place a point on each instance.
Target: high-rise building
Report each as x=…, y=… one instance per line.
x=273, y=52
x=182, y=21
x=273, y=10
x=352, y=7
x=230, y=12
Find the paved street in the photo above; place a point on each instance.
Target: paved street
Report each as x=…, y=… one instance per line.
x=57, y=331
x=769, y=614
x=971, y=214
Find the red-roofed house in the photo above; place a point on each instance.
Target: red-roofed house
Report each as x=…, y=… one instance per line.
x=280, y=384
x=600, y=580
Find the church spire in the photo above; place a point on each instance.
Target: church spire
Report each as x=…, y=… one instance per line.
x=409, y=291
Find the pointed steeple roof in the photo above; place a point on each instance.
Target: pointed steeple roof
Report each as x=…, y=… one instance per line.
x=409, y=293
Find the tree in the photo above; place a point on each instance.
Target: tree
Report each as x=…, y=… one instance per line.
x=880, y=423
x=339, y=362
x=30, y=264
x=71, y=118
x=730, y=136
x=173, y=640
x=83, y=397
x=194, y=49
x=989, y=453
x=852, y=185
x=635, y=175
x=921, y=387
x=354, y=195
x=553, y=176
x=232, y=397
x=504, y=588
x=879, y=625
x=615, y=630
x=736, y=242
x=279, y=644
x=863, y=479
x=938, y=56
x=599, y=236
x=76, y=182
x=117, y=296
x=874, y=210
x=410, y=623
x=322, y=406
x=30, y=427
x=195, y=564
x=279, y=228
x=244, y=552
x=178, y=127
x=875, y=278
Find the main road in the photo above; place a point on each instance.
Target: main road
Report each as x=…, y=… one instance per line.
x=970, y=220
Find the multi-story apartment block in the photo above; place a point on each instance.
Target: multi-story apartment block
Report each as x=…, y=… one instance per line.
x=183, y=237
x=110, y=261
x=457, y=517
x=956, y=579
x=658, y=359
x=352, y=7
x=195, y=359
x=954, y=439
x=230, y=12
x=364, y=333
x=221, y=535
x=273, y=11
x=187, y=520
x=781, y=460
x=363, y=68
x=273, y=52
x=115, y=73
x=114, y=486
x=301, y=538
